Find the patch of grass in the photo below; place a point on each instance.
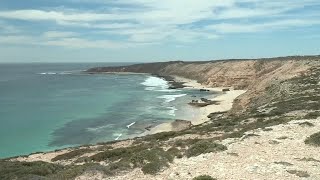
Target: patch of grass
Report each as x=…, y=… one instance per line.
x=204, y=146
x=185, y=143
x=282, y=137
x=204, y=177
x=122, y=165
x=250, y=135
x=299, y=173
x=175, y=152
x=306, y=123
x=44, y=170
x=150, y=155
x=233, y=154
x=312, y=115
x=116, y=154
x=17, y=170
x=151, y=168
x=70, y=172
x=71, y=154
x=160, y=136
x=267, y=129
x=309, y=160
x=313, y=140
x=284, y=163
x=152, y=160
x=146, y=156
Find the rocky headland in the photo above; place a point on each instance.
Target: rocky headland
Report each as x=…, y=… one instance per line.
x=272, y=130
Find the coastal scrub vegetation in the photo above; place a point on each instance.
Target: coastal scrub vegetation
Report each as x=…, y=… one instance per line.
x=314, y=139
x=44, y=170
x=204, y=177
x=204, y=146
x=72, y=154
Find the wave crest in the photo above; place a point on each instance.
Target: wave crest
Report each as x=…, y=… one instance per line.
x=170, y=98
x=155, y=84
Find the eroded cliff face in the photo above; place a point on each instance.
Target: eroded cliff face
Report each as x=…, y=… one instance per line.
x=253, y=75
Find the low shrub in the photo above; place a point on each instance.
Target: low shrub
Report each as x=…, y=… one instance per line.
x=204, y=146
x=152, y=160
x=299, y=173
x=204, y=177
x=71, y=154
x=151, y=168
x=17, y=170
x=306, y=123
x=175, y=152
x=160, y=136
x=314, y=139
x=312, y=115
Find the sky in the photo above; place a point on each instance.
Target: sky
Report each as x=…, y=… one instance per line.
x=156, y=30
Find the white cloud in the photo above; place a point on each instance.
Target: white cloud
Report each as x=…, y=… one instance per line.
x=154, y=21
x=59, y=34
x=8, y=29
x=64, y=39
x=267, y=26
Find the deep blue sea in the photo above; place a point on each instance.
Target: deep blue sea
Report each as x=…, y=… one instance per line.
x=50, y=106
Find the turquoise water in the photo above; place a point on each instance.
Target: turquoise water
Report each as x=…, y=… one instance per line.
x=49, y=106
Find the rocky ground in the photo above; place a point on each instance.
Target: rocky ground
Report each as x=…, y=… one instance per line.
x=278, y=153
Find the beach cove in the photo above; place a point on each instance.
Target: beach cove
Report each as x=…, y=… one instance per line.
x=201, y=114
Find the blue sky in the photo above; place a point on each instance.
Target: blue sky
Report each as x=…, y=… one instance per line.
x=153, y=30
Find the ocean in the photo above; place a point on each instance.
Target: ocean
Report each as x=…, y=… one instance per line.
x=50, y=106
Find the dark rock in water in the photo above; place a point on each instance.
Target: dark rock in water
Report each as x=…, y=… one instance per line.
x=198, y=104
x=209, y=101
x=148, y=128
x=204, y=90
x=204, y=102
x=225, y=89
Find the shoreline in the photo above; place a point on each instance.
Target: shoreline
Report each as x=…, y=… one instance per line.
x=225, y=104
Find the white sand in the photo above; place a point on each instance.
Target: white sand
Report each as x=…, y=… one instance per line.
x=225, y=100
x=225, y=104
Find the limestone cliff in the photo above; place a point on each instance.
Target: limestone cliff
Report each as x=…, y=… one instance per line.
x=254, y=75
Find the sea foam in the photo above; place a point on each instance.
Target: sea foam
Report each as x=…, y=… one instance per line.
x=55, y=73
x=155, y=84
x=128, y=126
x=169, y=98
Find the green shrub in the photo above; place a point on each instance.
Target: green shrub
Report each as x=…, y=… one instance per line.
x=312, y=115
x=17, y=170
x=119, y=166
x=151, y=168
x=204, y=177
x=160, y=136
x=306, y=123
x=175, y=152
x=151, y=160
x=299, y=173
x=314, y=139
x=44, y=170
x=116, y=154
x=71, y=154
x=72, y=171
x=204, y=146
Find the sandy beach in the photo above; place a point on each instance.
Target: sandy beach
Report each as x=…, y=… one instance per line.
x=225, y=104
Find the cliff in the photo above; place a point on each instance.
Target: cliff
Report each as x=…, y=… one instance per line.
x=253, y=75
